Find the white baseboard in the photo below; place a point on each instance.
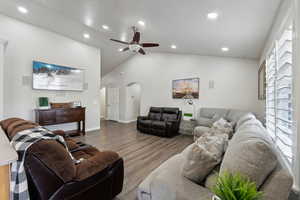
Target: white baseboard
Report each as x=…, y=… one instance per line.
x=93, y=129
x=126, y=122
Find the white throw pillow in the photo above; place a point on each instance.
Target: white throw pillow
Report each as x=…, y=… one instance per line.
x=222, y=126
x=203, y=156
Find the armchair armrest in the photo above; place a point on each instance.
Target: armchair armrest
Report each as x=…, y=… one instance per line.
x=90, y=166
x=142, y=118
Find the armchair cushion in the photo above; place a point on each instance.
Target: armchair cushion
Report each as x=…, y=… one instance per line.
x=170, y=114
x=94, y=164
x=158, y=124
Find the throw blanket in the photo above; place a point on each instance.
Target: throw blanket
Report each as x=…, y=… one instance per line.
x=21, y=142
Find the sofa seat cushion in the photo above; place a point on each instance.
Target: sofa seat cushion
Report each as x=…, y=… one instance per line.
x=158, y=125
x=166, y=182
x=94, y=162
x=251, y=153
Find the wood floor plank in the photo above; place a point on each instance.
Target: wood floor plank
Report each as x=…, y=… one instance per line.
x=142, y=153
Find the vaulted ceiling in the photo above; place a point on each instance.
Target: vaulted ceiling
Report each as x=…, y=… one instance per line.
x=242, y=25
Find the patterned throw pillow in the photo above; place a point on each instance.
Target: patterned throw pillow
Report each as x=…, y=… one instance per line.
x=203, y=156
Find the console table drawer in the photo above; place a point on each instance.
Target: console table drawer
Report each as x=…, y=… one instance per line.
x=60, y=116
x=69, y=115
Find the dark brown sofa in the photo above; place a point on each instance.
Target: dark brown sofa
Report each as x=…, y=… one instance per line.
x=52, y=174
x=161, y=121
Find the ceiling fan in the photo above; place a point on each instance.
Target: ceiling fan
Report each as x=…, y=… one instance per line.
x=135, y=45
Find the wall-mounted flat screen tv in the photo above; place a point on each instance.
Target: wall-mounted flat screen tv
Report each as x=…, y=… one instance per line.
x=185, y=88
x=55, y=77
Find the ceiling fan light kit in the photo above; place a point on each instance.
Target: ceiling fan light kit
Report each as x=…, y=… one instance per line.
x=135, y=45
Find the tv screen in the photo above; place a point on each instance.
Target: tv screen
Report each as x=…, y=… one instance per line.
x=55, y=77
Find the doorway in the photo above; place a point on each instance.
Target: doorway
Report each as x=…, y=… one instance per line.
x=112, y=104
x=133, y=103
x=103, y=104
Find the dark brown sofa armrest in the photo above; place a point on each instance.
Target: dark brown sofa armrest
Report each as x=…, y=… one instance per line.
x=142, y=118
x=92, y=165
x=59, y=132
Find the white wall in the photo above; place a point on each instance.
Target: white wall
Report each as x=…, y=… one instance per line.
x=2, y=46
x=27, y=43
x=235, y=79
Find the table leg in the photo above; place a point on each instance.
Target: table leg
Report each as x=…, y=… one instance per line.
x=4, y=182
x=83, y=127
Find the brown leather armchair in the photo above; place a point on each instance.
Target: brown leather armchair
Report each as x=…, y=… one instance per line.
x=52, y=174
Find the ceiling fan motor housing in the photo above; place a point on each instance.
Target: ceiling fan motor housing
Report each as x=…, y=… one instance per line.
x=134, y=47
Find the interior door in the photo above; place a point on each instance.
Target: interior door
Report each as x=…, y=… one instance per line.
x=112, y=104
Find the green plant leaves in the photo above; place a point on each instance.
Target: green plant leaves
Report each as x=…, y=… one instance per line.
x=236, y=187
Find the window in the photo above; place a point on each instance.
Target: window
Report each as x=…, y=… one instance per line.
x=279, y=110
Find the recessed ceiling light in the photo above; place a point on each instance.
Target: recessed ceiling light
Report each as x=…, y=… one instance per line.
x=212, y=15
x=22, y=9
x=225, y=49
x=121, y=49
x=86, y=36
x=105, y=27
x=173, y=46
x=142, y=23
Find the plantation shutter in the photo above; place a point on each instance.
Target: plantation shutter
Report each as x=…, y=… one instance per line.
x=284, y=112
x=279, y=110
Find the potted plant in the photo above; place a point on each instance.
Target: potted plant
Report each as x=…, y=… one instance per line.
x=235, y=187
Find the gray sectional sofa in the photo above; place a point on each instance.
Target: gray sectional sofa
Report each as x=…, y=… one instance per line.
x=250, y=152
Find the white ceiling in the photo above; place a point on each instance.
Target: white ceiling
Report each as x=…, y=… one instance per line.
x=243, y=25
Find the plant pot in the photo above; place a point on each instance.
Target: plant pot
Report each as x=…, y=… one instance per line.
x=215, y=197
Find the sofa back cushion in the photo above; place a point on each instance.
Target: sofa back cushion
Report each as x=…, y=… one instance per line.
x=170, y=114
x=155, y=113
x=244, y=119
x=54, y=157
x=234, y=115
x=211, y=112
x=251, y=153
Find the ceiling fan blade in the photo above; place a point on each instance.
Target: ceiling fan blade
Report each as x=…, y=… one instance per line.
x=141, y=51
x=119, y=41
x=136, y=37
x=125, y=49
x=149, y=45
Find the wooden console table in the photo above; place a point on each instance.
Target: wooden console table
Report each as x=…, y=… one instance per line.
x=46, y=117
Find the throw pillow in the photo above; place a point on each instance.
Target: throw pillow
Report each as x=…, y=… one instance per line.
x=205, y=154
x=222, y=127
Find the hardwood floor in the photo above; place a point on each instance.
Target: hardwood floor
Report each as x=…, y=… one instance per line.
x=142, y=153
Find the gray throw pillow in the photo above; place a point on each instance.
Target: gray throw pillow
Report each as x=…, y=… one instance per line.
x=205, y=154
